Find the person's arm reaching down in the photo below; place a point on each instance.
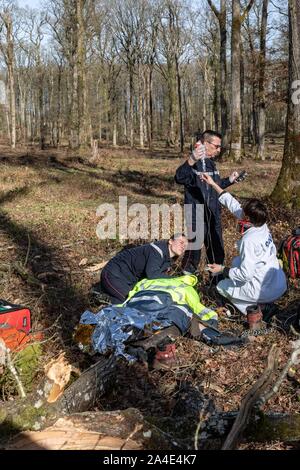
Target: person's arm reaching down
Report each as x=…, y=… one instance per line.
x=226, y=199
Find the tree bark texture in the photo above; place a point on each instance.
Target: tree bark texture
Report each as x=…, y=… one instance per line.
x=287, y=189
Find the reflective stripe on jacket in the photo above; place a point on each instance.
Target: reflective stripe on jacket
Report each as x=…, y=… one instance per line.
x=181, y=290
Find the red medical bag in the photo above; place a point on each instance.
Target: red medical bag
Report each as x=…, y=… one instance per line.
x=15, y=316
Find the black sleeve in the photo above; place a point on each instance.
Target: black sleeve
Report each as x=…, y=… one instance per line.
x=184, y=175
x=225, y=182
x=226, y=272
x=155, y=266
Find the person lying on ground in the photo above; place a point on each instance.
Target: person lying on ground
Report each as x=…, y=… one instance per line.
x=255, y=276
x=131, y=265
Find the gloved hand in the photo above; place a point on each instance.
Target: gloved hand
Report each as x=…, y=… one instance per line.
x=212, y=337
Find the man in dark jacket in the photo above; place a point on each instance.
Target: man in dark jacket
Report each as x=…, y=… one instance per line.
x=131, y=265
x=198, y=192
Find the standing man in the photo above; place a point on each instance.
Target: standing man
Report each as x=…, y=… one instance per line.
x=199, y=192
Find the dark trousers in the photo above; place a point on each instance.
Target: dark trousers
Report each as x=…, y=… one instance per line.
x=113, y=285
x=213, y=242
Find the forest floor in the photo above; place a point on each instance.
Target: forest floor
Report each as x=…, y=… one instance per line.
x=48, y=247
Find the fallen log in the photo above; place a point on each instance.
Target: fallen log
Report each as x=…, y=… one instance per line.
x=129, y=430
x=35, y=412
x=112, y=430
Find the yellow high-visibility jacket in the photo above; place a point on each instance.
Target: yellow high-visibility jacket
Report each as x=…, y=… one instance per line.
x=181, y=290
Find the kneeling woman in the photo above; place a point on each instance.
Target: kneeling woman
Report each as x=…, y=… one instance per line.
x=255, y=276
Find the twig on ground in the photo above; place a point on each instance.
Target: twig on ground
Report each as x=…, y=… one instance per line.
x=14, y=373
x=203, y=416
x=28, y=251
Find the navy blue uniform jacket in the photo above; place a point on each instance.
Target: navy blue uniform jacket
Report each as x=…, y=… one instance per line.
x=199, y=192
x=146, y=261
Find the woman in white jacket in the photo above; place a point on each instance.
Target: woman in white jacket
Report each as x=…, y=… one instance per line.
x=255, y=276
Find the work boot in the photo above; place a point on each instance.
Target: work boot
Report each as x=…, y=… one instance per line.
x=268, y=311
x=254, y=317
x=165, y=358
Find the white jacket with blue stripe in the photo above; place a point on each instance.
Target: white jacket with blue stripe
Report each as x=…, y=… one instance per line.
x=256, y=275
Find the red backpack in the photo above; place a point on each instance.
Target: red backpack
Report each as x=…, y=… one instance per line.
x=289, y=253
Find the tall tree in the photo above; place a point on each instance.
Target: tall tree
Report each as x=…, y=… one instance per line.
x=173, y=47
x=236, y=114
x=70, y=21
x=7, y=45
x=287, y=189
x=261, y=122
x=129, y=22
x=221, y=17
x=33, y=25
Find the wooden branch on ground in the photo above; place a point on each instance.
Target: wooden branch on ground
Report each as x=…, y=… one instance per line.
x=293, y=360
x=35, y=412
x=249, y=401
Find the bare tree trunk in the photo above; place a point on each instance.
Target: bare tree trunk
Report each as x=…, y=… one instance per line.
x=125, y=121
x=172, y=100
x=242, y=104
x=147, y=106
x=223, y=73
x=11, y=77
x=114, y=140
x=7, y=115
x=205, y=98
x=287, y=189
x=179, y=104
x=59, y=98
x=99, y=102
x=41, y=105
x=236, y=115
x=141, y=107
x=131, y=121
x=81, y=64
x=151, y=103
x=261, y=83
x=74, y=142
x=216, y=100
x=221, y=16
x=236, y=112
x=22, y=100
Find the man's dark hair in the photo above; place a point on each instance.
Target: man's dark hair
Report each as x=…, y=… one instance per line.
x=256, y=211
x=177, y=235
x=209, y=133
